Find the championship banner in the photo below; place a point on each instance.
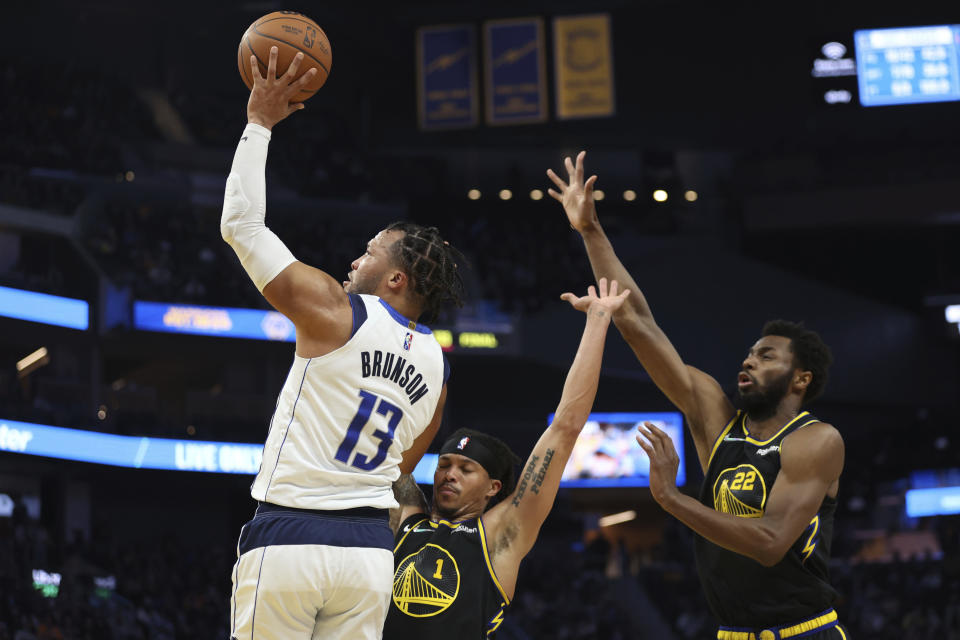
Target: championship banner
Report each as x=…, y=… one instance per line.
x=583, y=66
x=514, y=70
x=447, y=77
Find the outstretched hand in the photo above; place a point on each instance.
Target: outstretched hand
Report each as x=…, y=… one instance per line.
x=577, y=196
x=606, y=301
x=664, y=461
x=270, y=97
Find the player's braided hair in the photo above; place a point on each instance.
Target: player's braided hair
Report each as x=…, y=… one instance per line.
x=433, y=265
x=810, y=353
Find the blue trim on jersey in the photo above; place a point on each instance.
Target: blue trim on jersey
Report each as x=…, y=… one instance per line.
x=256, y=594
x=349, y=528
x=359, y=312
x=293, y=412
x=446, y=369
x=402, y=319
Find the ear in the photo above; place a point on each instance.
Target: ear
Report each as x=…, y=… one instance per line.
x=802, y=379
x=397, y=280
x=495, y=486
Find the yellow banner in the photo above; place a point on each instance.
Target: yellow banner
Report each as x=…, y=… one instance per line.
x=583, y=66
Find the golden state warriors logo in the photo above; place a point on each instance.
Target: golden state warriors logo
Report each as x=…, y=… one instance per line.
x=426, y=582
x=740, y=491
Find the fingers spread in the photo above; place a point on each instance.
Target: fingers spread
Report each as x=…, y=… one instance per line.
x=255, y=69
x=272, y=65
x=294, y=66
x=556, y=179
x=556, y=196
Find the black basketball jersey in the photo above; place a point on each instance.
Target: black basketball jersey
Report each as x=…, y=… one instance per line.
x=443, y=582
x=740, y=591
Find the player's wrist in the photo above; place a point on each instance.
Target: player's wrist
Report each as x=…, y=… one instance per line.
x=260, y=121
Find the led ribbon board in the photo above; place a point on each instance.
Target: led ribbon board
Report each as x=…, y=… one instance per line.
x=129, y=451
x=44, y=308
x=227, y=322
x=146, y=453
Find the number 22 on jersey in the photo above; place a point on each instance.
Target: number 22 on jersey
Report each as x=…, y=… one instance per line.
x=369, y=403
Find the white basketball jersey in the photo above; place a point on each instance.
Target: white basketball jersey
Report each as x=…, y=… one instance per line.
x=343, y=420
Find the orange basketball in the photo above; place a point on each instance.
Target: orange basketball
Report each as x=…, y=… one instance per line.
x=290, y=32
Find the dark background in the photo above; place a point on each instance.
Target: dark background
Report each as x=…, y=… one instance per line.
x=845, y=217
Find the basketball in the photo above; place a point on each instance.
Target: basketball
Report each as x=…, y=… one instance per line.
x=290, y=32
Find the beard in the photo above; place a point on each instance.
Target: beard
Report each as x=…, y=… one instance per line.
x=362, y=284
x=761, y=404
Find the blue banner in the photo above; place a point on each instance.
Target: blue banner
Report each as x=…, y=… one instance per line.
x=44, y=308
x=147, y=453
x=447, y=77
x=227, y=322
x=127, y=451
x=514, y=70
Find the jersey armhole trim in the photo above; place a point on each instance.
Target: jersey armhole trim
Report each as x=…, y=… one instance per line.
x=412, y=527
x=359, y=312
x=723, y=434
x=486, y=558
x=810, y=421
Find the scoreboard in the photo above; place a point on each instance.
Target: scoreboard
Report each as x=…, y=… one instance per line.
x=908, y=65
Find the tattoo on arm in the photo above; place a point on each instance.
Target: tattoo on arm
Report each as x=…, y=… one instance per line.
x=527, y=476
x=538, y=480
x=533, y=477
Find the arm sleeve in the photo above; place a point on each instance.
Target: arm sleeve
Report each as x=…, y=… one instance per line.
x=261, y=252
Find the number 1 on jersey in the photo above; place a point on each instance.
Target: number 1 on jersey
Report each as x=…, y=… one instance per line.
x=385, y=409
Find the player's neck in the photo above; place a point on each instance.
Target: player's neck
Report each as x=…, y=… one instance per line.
x=768, y=426
x=400, y=304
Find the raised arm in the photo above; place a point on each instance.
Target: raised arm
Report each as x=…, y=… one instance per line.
x=512, y=526
x=314, y=301
x=410, y=498
x=811, y=460
x=695, y=393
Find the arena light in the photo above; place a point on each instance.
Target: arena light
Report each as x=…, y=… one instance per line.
x=473, y=194
x=629, y=195
x=617, y=518
x=33, y=362
x=690, y=195
x=506, y=194
x=598, y=194
x=660, y=195
x=536, y=194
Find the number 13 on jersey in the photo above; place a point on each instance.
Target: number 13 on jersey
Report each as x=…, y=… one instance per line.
x=369, y=403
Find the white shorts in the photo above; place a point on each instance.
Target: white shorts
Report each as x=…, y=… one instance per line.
x=306, y=575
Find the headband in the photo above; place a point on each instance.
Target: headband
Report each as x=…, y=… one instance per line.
x=472, y=448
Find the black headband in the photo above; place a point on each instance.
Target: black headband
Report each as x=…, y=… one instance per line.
x=472, y=448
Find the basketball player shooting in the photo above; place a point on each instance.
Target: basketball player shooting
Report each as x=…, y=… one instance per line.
x=457, y=562
x=772, y=471
x=363, y=399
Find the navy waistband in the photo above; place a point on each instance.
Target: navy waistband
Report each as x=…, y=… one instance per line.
x=357, y=512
